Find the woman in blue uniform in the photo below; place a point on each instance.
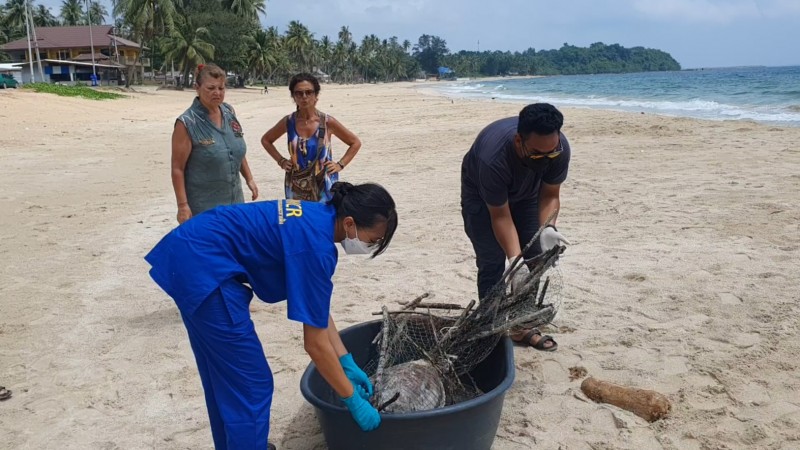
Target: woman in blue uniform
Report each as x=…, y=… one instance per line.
x=279, y=250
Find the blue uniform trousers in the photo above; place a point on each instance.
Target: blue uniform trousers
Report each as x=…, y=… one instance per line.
x=236, y=377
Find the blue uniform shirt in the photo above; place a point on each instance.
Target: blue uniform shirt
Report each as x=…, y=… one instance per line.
x=284, y=249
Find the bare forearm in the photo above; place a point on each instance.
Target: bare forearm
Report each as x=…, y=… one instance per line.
x=245, y=170
x=506, y=235
x=179, y=185
x=272, y=151
x=325, y=358
x=350, y=153
x=336, y=340
x=547, y=206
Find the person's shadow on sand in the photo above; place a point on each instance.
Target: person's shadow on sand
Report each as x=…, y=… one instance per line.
x=303, y=433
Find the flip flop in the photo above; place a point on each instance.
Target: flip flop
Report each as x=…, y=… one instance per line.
x=540, y=344
x=270, y=446
x=5, y=394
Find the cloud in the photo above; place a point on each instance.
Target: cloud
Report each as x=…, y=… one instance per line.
x=716, y=11
x=381, y=10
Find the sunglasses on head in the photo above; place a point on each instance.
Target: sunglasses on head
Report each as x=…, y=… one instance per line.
x=306, y=93
x=539, y=155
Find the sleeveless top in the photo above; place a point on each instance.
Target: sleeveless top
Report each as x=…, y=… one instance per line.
x=312, y=151
x=211, y=174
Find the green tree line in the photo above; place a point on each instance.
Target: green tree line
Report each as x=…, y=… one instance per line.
x=181, y=34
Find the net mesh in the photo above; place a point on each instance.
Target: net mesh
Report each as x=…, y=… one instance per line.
x=455, y=339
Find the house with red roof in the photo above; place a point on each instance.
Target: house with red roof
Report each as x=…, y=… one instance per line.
x=66, y=54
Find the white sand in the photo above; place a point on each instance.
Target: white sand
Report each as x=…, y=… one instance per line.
x=682, y=276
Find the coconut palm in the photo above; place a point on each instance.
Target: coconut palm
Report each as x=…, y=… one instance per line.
x=343, y=56
x=283, y=63
x=246, y=9
x=5, y=33
x=156, y=15
x=368, y=56
x=42, y=17
x=14, y=19
x=187, y=45
x=325, y=52
x=72, y=12
x=345, y=36
x=300, y=46
x=147, y=18
x=261, y=53
x=97, y=13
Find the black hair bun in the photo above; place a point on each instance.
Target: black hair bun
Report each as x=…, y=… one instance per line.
x=341, y=187
x=338, y=191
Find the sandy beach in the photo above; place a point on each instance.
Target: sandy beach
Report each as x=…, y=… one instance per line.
x=682, y=276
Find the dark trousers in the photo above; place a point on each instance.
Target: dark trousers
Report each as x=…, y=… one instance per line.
x=236, y=378
x=489, y=256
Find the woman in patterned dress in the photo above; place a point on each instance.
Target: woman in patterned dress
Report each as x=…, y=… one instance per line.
x=310, y=168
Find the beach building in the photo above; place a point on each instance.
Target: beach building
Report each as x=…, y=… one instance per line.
x=66, y=55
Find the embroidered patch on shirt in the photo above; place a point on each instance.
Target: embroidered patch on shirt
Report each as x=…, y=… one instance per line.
x=237, y=129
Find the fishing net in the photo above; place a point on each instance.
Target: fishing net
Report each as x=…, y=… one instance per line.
x=427, y=350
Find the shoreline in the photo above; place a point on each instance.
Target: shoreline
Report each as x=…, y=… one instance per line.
x=634, y=105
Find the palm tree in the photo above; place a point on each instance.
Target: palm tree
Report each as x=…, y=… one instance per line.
x=260, y=54
x=284, y=64
x=246, y=9
x=339, y=63
x=15, y=16
x=97, y=13
x=344, y=55
x=300, y=45
x=146, y=20
x=369, y=55
x=187, y=46
x=345, y=36
x=325, y=52
x=156, y=16
x=42, y=17
x=3, y=35
x=72, y=12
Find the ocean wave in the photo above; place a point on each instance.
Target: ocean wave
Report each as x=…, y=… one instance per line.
x=696, y=108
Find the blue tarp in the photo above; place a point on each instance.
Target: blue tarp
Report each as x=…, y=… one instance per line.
x=445, y=70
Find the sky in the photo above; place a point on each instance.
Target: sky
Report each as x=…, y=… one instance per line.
x=697, y=33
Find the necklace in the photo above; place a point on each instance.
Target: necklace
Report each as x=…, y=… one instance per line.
x=305, y=119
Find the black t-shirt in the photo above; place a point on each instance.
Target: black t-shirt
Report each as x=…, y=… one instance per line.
x=493, y=173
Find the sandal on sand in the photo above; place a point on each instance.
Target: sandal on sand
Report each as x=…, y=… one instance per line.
x=541, y=344
x=5, y=394
x=270, y=446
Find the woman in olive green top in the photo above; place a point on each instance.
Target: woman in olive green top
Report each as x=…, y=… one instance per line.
x=208, y=150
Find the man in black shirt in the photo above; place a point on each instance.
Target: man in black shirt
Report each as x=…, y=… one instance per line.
x=510, y=183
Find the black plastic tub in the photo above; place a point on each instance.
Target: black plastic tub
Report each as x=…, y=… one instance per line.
x=470, y=425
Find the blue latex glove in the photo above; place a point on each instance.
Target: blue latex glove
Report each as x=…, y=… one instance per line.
x=361, y=392
x=355, y=374
x=365, y=415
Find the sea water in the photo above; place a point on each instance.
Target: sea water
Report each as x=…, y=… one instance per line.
x=763, y=94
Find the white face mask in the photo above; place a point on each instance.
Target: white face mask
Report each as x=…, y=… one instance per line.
x=356, y=246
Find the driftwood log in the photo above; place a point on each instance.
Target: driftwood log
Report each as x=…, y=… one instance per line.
x=649, y=405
